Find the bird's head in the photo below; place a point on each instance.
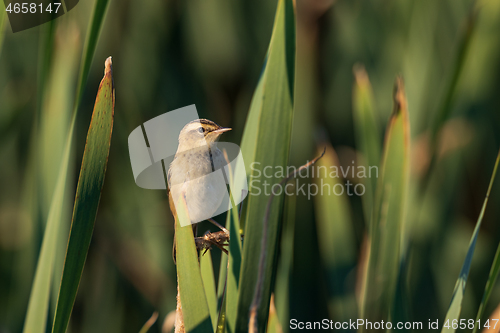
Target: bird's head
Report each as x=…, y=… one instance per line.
x=200, y=132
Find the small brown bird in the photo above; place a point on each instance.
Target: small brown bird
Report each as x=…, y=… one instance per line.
x=197, y=157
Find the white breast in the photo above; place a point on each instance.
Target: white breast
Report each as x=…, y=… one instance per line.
x=205, y=189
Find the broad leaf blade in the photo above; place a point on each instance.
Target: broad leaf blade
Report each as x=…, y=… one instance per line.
x=387, y=224
x=88, y=194
x=266, y=140
x=458, y=293
x=195, y=310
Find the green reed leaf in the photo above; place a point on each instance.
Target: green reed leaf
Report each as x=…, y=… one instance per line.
x=387, y=223
x=52, y=147
x=207, y=275
x=195, y=309
x=266, y=141
x=367, y=133
x=36, y=316
x=95, y=26
x=234, y=259
x=492, y=278
x=88, y=194
x=221, y=294
x=458, y=293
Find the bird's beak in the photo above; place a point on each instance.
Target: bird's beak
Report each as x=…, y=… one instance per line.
x=221, y=130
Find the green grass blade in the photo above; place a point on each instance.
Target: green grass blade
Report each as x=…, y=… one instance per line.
x=493, y=276
x=266, y=140
x=335, y=233
x=45, y=61
x=195, y=309
x=367, y=133
x=88, y=194
x=57, y=102
x=387, y=225
x=40, y=291
x=36, y=316
x=233, y=270
x=50, y=147
x=93, y=34
x=234, y=259
x=207, y=275
x=458, y=293
x=285, y=265
x=222, y=280
x=445, y=107
x=221, y=295
x=221, y=320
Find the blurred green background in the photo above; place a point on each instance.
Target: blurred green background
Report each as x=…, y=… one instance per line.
x=169, y=54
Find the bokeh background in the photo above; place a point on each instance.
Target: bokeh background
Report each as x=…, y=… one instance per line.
x=169, y=54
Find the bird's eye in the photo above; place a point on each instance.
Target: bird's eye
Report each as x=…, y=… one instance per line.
x=201, y=130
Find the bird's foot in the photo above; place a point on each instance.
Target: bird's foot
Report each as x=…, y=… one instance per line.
x=218, y=239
